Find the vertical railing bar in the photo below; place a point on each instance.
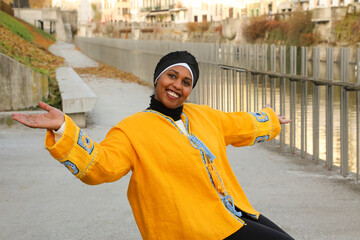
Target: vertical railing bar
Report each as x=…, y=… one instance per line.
x=264, y=49
x=316, y=104
x=344, y=168
x=228, y=79
x=304, y=87
x=282, y=91
x=230, y=93
x=248, y=79
x=272, y=80
x=228, y=90
x=221, y=74
x=209, y=92
x=293, y=55
x=357, y=134
x=233, y=91
x=241, y=95
x=217, y=80
x=358, y=115
x=256, y=81
x=329, y=108
x=235, y=80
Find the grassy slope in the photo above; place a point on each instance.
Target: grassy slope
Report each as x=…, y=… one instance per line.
x=28, y=45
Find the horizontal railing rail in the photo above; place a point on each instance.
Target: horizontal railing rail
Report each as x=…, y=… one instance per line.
x=348, y=86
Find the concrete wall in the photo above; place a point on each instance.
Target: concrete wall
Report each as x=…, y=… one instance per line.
x=29, y=15
x=60, y=18
x=71, y=18
x=325, y=19
x=20, y=86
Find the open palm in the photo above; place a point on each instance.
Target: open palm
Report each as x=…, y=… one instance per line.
x=50, y=120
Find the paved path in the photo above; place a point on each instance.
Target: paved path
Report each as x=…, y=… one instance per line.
x=41, y=200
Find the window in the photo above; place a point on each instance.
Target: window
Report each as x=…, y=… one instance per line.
x=270, y=8
x=125, y=11
x=195, y=18
x=204, y=18
x=231, y=13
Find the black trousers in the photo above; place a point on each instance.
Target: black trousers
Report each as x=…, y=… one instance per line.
x=262, y=229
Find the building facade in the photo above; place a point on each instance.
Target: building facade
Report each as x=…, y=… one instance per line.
x=115, y=10
x=183, y=11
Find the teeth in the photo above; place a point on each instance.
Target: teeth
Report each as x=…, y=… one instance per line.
x=173, y=94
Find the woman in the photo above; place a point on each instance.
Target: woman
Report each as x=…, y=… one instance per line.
x=182, y=186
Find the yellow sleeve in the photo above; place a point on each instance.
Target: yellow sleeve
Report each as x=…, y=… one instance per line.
x=245, y=129
x=89, y=161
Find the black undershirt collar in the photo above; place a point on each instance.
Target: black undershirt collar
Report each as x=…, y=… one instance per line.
x=158, y=106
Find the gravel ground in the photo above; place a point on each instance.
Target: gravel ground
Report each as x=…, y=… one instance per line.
x=40, y=199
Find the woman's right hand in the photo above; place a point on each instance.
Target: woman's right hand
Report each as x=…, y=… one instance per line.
x=53, y=119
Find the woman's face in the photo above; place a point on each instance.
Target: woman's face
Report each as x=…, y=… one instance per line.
x=173, y=87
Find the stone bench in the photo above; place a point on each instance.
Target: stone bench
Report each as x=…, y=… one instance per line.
x=77, y=97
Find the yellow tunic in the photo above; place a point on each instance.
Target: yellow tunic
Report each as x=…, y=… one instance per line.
x=176, y=191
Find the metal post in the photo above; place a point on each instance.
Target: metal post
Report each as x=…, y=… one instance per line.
x=256, y=81
x=209, y=78
x=357, y=114
x=217, y=80
x=230, y=81
x=248, y=79
x=304, y=87
x=344, y=99
x=316, y=104
x=293, y=55
x=234, y=80
x=228, y=90
x=272, y=80
x=282, y=91
x=329, y=107
x=223, y=79
x=264, y=49
x=240, y=93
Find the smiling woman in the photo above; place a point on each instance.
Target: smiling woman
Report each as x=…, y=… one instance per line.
x=182, y=185
x=173, y=87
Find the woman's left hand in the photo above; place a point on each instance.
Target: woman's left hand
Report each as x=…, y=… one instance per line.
x=283, y=120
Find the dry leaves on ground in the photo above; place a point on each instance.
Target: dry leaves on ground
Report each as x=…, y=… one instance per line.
x=106, y=71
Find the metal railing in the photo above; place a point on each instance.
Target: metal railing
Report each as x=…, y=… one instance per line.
x=285, y=81
x=321, y=97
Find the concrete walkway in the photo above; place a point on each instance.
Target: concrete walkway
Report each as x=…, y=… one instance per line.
x=40, y=199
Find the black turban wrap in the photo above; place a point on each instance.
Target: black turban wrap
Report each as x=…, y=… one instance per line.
x=178, y=57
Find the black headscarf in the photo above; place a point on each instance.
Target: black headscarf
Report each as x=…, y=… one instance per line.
x=178, y=57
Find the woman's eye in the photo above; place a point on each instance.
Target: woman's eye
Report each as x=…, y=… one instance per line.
x=172, y=76
x=186, y=83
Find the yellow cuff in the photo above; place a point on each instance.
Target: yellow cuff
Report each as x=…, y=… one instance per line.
x=62, y=148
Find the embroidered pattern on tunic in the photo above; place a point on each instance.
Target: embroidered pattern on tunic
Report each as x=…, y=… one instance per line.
x=208, y=158
x=71, y=166
x=85, y=142
x=260, y=116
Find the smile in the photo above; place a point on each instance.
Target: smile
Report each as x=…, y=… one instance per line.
x=172, y=94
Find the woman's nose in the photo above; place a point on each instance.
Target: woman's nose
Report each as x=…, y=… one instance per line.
x=177, y=84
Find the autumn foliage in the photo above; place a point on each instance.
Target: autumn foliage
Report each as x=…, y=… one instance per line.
x=348, y=29
x=296, y=30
